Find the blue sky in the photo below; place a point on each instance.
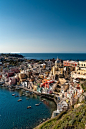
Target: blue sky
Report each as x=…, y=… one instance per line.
x=43, y=26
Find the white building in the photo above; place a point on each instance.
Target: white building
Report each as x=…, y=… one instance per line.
x=82, y=64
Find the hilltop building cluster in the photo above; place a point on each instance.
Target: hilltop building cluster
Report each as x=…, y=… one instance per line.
x=61, y=79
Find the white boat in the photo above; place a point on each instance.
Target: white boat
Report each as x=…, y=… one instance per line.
x=13, y=94
x=37, y=104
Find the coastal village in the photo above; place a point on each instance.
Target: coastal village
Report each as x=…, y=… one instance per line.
x=59, y=80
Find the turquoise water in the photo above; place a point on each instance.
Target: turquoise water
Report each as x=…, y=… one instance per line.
x=15, y=115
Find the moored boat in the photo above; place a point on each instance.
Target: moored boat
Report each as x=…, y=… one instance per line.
x=16, y=96
x=19, y=100
x=13, y=94
x=28, y=107
x=37, y=104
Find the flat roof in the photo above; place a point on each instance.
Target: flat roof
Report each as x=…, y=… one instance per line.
x=70, y=61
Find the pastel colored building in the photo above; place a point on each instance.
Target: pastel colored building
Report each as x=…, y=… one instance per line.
x=82, y=64
x=70, y=63
x=12, y=81
x=45, y=83
x=58, y=62
x=22, y=77
x=79, y=74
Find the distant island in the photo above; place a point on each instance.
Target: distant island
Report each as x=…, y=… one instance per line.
x=12, y=55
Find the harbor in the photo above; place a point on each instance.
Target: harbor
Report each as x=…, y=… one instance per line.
x=16, y=114
x=57, y=81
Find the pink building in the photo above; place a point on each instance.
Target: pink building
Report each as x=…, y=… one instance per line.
x=70, y=63
x=12, y=81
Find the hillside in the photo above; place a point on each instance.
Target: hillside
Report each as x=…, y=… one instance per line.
x=73, y=119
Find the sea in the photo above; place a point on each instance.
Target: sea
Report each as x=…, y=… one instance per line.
x=15, y=115
x=63, y=56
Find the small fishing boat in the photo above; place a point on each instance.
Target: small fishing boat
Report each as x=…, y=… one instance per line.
x=37, y=104
x=28, y=107
x=16, y=96
x=13, y=94
x=19, y=100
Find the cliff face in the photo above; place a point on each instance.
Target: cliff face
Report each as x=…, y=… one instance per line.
x=73, y=119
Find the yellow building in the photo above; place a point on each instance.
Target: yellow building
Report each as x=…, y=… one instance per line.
x=82, y=64
x=79, y=73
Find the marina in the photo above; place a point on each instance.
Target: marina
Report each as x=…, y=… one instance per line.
x=58, y=81
x=19, y=116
